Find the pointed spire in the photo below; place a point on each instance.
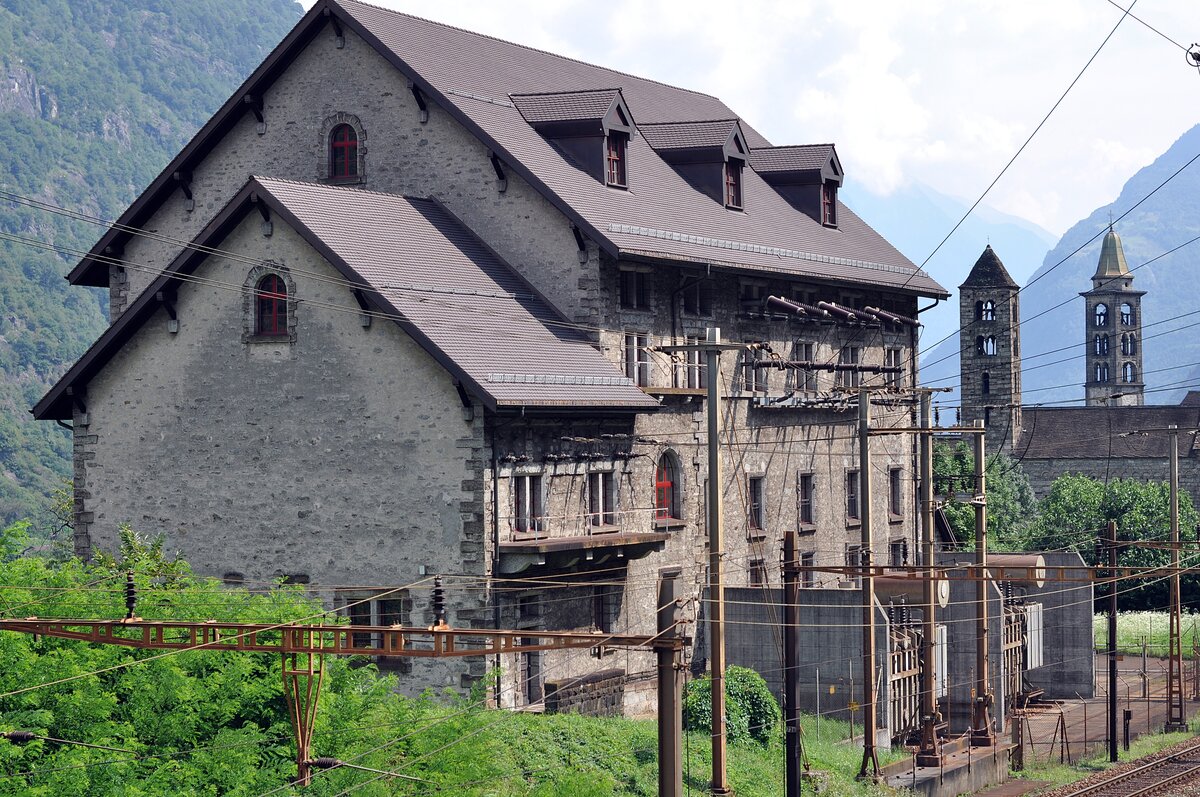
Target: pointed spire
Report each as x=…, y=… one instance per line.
x=989, y=272
x=1112, y=257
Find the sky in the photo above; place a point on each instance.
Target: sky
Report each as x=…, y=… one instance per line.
x=939, y=92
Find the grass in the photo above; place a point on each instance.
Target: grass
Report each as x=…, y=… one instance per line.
x=1134, y=628
x=1061, y=774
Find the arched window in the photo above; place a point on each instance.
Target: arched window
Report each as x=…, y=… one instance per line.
x=1132, y=343
x=979, y=344
x=1101, y=372
x=987, y=383
x=987, y=312
x=270, y=305
x=978, y=311
x=1102, y=344
x=1102, y=315
x=666, y=492
x=1127, y=314
x=343, y=152
x=989, y=346
x=1124, y=344
x=1129, y=372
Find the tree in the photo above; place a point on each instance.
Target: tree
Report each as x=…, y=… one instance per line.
x=1075, y=512
x=1010, y=499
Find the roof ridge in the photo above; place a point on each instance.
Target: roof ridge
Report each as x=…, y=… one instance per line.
x=792, y=146
x=563, y=91
x=261, y=179
x=530, y=48
x=691, y=122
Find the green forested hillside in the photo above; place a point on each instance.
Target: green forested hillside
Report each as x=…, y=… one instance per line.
x=96, y=97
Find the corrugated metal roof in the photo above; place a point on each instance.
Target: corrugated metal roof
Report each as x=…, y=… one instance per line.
x=688, y=135
x=564, y=106
x=478, y=311
x=791, y=158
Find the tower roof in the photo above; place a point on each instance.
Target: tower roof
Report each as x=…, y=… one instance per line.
x=989, y=272
x=1112, y=258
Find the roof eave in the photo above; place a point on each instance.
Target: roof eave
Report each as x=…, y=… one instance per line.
x=92, y=273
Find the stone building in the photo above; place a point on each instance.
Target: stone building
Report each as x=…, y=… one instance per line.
x=1107, y=438
x=395, y=310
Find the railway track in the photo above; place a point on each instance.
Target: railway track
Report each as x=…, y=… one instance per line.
x=1146, y=779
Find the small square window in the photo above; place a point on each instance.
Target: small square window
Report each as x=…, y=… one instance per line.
x=634, y=290
x=758, y=573
x=698, y=299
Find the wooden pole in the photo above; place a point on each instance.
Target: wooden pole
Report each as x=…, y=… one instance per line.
x=981, y=721
x=670, y=692
x=716, y=587
x=791, y=665
x=870, y=761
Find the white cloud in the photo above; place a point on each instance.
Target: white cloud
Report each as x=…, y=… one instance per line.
x=937, y=91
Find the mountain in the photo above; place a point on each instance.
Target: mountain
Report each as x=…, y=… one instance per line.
x=916, y=218
x=97, y=97
x=1168, y=219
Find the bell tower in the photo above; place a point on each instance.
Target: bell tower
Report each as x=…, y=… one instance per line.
x=1113, y=320
x=990, y=350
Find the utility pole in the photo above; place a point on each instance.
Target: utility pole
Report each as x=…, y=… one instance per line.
x=1175, y=719
x=1112, y=642
x=981, y=721
x=670, y=692
x=930, y=754
x=716, y=553
x=791, y=664
x=870, y=760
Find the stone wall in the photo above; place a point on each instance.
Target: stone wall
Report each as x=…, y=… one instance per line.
x=598, y=694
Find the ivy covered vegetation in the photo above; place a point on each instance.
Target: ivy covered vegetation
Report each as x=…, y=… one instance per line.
x=100, y=96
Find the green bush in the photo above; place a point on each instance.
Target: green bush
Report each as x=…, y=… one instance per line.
x=750, y=709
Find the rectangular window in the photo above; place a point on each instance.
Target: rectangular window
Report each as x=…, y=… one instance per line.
x=758, y=573
x=804, y=295
x=804, y=497
x=829, y=205
x=755, y=508
x=396, y=609
x=637, y=358
x=602, y=498
x=689, y=371
x=751, y=296
x=605, y=605
x=891, y=359
x=528, y=514
x=852, y=513
x=898, y=553
x=895, y=492
x=698, y=299
x=615, y=158
x=808, y=579
x=754, y=379
x=854, y=560
x=805, y=380
x=848, y=358
x=634, y=289
x=733, y=184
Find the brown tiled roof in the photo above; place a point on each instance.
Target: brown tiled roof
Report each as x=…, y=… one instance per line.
x=564, y=106
x=989, y=272
x=663, y=217
x=442, y=285
x=1101, y=432
x=794, y=158
x=688, y=135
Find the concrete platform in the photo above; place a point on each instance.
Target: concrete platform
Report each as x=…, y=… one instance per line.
x=964, y=771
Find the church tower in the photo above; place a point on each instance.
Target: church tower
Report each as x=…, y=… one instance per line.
x=1113, y=320
x=990, y=350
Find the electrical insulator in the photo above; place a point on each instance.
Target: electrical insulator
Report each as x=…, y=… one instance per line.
x=130, y=596
x=325, y=762
x=20, y=737
x=439, y=605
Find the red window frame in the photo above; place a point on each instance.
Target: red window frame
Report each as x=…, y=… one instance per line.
x=733, y=184
x=615, y=151
x=270, y=298
x=343, y=152
x=664, y=490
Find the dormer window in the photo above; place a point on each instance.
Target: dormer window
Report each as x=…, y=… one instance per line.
x=829, y=204
x=616, y=143
x=733, y=184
